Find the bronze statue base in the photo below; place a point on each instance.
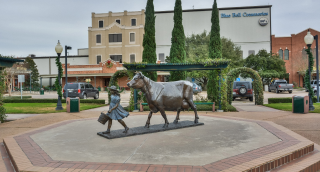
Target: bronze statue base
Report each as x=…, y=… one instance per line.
x=152, y=129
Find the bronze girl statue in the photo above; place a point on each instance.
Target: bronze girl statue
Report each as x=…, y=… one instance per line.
x=116, y=111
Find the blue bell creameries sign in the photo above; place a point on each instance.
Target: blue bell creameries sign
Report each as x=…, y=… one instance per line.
x=262, y=21
x=245, y=14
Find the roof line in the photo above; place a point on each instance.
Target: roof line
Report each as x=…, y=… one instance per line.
x=210, y=9
x=41, y=57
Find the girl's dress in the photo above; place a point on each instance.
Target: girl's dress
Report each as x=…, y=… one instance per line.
x=119, y=112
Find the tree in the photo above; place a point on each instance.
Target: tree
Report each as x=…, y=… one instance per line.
x=30, y=64
x=149, y=42
x=197, y=51
x=197, y=46
x=231, y=51
x=268, y=65
x=177, y=51
x=214, y=52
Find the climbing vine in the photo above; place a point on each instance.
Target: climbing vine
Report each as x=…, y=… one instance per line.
x=114, y=81
x=257, y=83
x=307, y=76
x=3, y=115
x=56, y=83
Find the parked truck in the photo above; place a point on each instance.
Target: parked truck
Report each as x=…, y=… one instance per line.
x=280, y=86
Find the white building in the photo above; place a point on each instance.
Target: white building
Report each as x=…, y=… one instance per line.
x=248, y=27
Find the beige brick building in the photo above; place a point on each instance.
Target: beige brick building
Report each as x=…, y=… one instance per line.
x=116, y=36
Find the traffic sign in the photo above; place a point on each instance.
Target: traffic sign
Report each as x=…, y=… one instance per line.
x=238, y=79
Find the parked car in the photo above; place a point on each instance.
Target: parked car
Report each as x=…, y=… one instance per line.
x=81, y=89
x=196, y=88
x=280, y=86
x=313, y=84
x=242, y=89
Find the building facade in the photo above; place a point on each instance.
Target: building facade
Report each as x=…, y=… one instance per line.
x=248, y=27
x=116, y=36
x=292, y=50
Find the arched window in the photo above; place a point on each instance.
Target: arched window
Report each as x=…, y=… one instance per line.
x=304, y=53
x=286, y=54
x=281, y=54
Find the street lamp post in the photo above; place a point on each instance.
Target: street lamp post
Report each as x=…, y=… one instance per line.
x=65, y=65
x=309, y=40
x=59, y=50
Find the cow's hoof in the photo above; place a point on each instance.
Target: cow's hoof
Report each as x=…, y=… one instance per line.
x=165, y=125
x=175, y=121
x=196, y=121
x=146, y=126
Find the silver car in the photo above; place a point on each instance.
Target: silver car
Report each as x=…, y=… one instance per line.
x=196, y=88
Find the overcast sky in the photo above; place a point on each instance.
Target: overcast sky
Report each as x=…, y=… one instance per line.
x=35, y=26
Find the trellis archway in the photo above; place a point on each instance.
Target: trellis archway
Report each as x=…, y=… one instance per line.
x=114, y=81
x=257, y=83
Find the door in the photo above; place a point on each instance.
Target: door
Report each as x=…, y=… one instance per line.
x=272, y=85
x=106, y=82
x=88, y=90
x=92, y=93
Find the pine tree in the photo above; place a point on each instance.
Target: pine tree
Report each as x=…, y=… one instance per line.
x=215, y=51
x=177, y=51
x=30, y=64
x=149, y=42
x=215, y=48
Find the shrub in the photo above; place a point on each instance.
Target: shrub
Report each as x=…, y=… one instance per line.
x=285, y=100
x=199, y=108
x=18, y=97
x=51, y=101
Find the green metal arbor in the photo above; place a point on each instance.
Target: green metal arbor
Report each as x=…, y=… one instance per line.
x=257, y=83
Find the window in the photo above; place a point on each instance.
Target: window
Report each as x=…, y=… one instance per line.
x=133, y=22
x=82, y=86
x=100, y=24
x=88, y=86
x=132, y=37
x=115, y=37
x=241, y=54
x=161, y=57
x=132, y=58
x=304, y=53
x=281, y=54
x=286, y=54
x=118, y=21
x=98, y=39
x=251, y=52
x=98, y=59
x=117, y=58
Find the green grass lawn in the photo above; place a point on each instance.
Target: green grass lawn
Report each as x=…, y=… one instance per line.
x=40, y=108
x=288, y=106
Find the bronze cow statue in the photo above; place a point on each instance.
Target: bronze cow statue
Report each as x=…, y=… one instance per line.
x=162, y=96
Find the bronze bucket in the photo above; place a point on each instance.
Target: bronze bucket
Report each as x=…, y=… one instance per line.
x=103, y=118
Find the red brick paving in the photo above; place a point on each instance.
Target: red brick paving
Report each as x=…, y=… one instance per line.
x=39, y=158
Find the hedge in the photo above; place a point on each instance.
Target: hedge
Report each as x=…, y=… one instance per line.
x=199, y=108
x=102, y=101
x=285, y=100
x=18, y=97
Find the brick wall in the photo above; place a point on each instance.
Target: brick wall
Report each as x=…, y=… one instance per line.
x=295, y=44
